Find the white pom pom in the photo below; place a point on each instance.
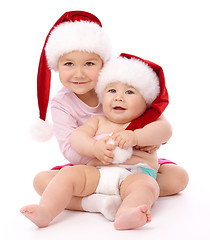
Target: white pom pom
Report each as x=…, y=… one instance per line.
x=41, y=130
x=121, y=155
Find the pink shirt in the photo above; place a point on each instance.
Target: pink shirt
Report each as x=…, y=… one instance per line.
x=69, y=112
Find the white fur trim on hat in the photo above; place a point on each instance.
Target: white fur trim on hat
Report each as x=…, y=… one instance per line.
x=41, y=130
x=77, y=36
x=132, y=72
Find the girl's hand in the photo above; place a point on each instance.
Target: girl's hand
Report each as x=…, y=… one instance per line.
x=149, y=149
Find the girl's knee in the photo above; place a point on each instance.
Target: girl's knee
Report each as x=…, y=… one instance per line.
x=172, y=179
x=42, y=179
x=182, y=179
x=37, y=183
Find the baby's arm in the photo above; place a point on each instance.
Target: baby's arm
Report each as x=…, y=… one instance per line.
x=83, y=142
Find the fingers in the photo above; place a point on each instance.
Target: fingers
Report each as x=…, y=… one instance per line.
x=149, y=149
x=137, y=147
x=122, y=143
x=153, y=150
x=110, y=147
x=108, y=154
x=125, y=139
x=146, y=148
x=107, y=160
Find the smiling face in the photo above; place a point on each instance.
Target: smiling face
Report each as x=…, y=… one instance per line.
x=79, y=71
x=122, y=103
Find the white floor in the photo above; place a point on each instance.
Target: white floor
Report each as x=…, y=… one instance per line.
x=184, y=216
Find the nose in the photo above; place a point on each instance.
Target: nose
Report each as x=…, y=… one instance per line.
x=79, y=73
x=119, y=96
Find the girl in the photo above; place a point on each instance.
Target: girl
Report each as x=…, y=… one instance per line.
x=77, y=101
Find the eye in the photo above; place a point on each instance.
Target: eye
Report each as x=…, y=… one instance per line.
x=69, y=64
x=89, y=64
x=112, y=90
x=129, y=92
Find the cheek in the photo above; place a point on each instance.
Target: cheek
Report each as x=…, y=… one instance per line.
x=94, y=74
x=62, y=76
x=106, y=103
x=65, y=77
x=138, y=108
x=94, y=77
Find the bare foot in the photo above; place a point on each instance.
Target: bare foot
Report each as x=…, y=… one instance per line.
x=37, y=214
x=133, y=218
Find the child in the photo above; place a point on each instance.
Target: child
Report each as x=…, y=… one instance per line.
x=128, y=87
x=71, y=109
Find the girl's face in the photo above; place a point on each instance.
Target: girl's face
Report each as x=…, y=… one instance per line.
x=79, y=71
x=122, y=103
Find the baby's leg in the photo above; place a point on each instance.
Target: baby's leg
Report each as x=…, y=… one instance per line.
x=105, y=204
x=77, y=181
x=138, y=192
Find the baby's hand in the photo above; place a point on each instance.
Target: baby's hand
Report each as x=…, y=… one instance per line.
x=103, y=151
x=125, y=139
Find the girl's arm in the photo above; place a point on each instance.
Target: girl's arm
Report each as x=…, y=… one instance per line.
x=64, y=123
x=153, y=134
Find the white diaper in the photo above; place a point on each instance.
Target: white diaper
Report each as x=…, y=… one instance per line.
x=111, y=179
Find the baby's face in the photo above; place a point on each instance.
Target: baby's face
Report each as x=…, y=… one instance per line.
x=122, y=103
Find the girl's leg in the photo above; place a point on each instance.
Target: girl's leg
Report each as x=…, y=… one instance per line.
x=42, y=179
x=138, y=193
x=172, y=179
x=70, y=181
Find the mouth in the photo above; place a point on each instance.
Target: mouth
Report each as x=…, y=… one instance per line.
x=118, y=108
x=79, y=83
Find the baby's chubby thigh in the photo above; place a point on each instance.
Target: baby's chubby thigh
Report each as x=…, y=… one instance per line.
x=138, y=182
x=84, y=179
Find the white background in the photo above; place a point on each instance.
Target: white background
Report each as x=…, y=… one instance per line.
x=173, y=34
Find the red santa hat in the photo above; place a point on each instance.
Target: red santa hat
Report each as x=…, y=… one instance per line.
x=147, y=77
x=73, y=31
